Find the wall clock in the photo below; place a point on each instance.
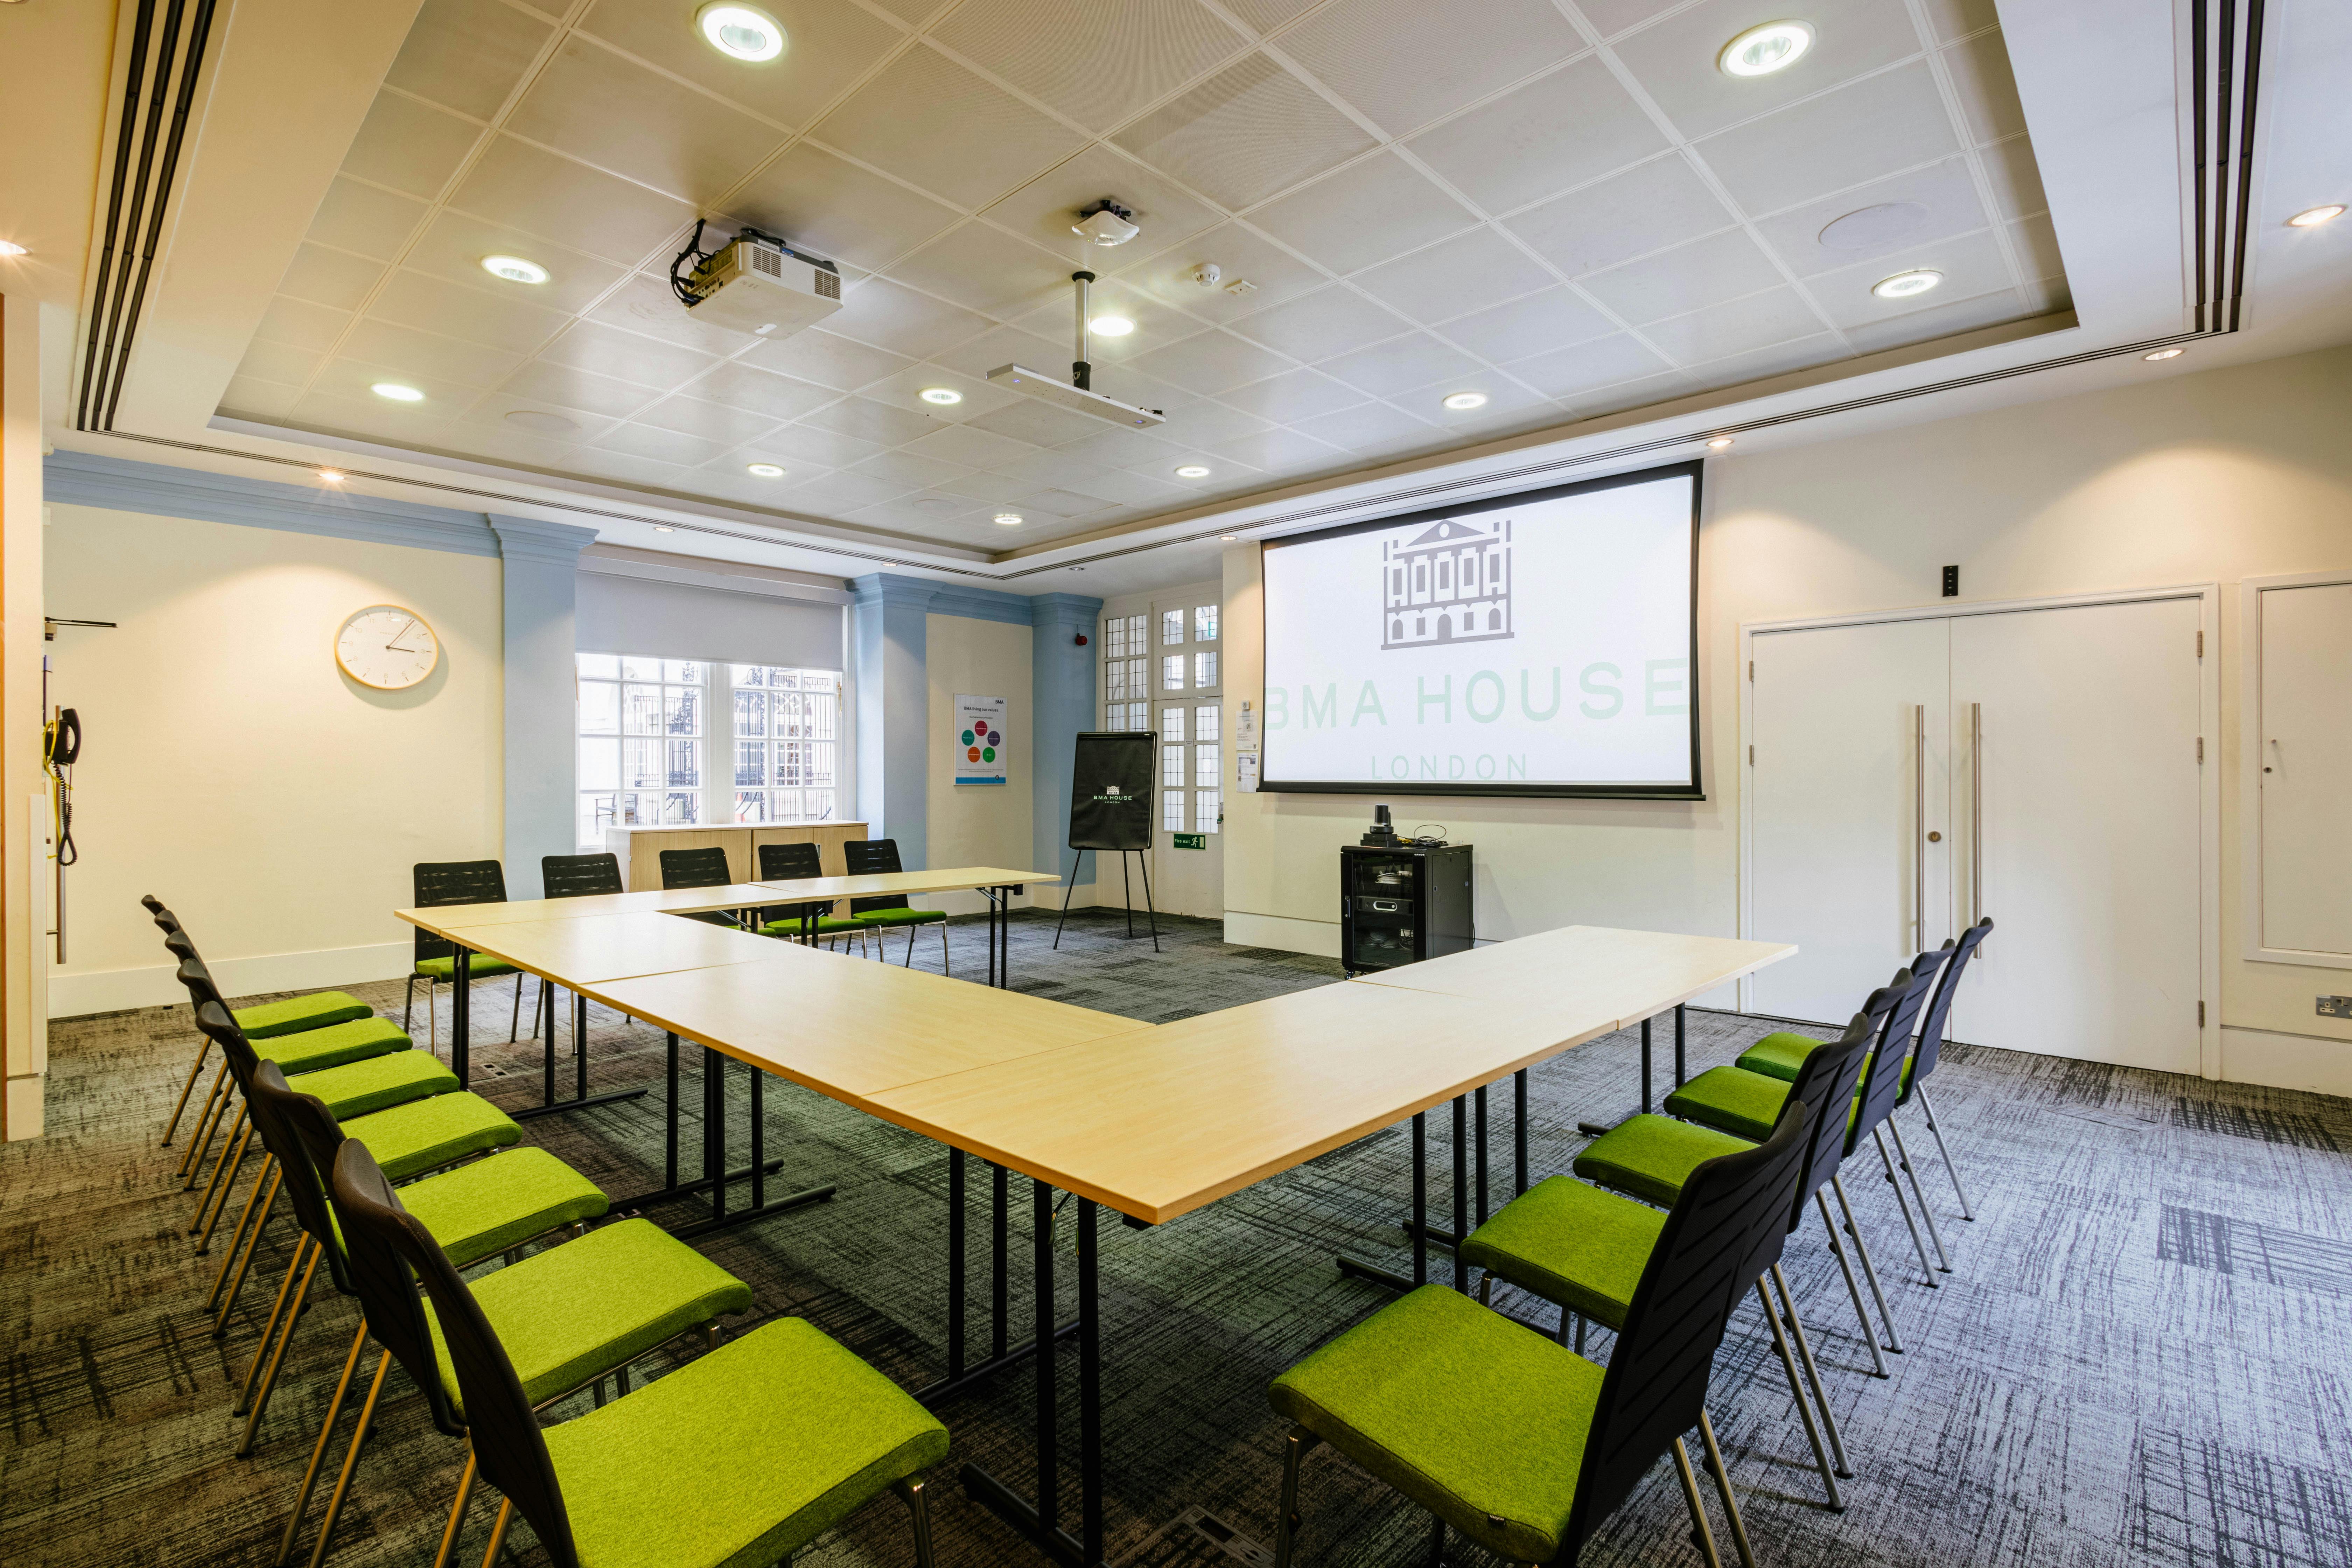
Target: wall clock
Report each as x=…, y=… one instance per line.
x=386, y=646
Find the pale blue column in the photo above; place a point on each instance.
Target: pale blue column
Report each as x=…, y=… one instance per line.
x=540, y=563
x=890, y=636
x=1062, y=701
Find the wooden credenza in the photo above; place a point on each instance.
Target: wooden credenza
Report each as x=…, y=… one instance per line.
x=639, y=849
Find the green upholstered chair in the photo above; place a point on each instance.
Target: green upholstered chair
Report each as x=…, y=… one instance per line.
x=436, y=884
x=788, y=1432
x=1519, y=1443
x=799, y=863
x=705, y=868
x=876, y=857
x=1584, y=1249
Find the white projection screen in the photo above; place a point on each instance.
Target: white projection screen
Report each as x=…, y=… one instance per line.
x=1538, y=644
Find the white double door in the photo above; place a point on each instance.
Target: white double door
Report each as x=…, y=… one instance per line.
x=2040, y=766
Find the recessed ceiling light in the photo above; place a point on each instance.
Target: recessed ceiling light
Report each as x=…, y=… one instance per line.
x=1905, y=285
x=941, y=395
x=1110, y=326
x=2162, y=353
x=664, y=528
x=10, y=248
x=1011, y=518
x=2310, y=219
x=514, y=268
x=397, y=391
x=1760, y=51
x=1193, y=471
x=745, y=32
x=1229, y=538
x=764, y=470
x=1462, y=401
x=1719, y=443
x=890, y=565
x=332, y=475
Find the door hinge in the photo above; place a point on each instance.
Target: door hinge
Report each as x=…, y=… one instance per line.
x=1751, y=756
x=1751, y=670
x=2200, y=1015
x=2201, y=645
x=2201, y=748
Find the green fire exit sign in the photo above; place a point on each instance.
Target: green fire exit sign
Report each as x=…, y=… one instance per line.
x=1192, y=840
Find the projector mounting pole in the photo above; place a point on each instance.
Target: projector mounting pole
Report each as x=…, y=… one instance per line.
x=1081, y=373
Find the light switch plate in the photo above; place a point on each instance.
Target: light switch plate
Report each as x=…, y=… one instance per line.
x=2335, y=1007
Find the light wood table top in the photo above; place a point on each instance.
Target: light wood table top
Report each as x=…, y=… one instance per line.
x=575, y=952
x=850, y=1027
x=882, y=884
x=1636, y=974
x=444, y=920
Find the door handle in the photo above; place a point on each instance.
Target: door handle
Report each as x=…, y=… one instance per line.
x=1975, y=812
x=1919, y=823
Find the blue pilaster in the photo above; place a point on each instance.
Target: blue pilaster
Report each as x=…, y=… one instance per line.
x=889, y=641
x=539, y=562
x=1061, y=702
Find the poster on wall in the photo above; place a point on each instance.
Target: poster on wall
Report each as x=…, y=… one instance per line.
x=978, y=740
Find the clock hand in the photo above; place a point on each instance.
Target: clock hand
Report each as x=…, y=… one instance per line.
x=394, y=644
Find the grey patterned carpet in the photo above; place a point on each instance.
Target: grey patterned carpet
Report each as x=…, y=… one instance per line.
x=2141, y=1356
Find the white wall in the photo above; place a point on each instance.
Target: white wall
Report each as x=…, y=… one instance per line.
x=230, y=767
x=24, y=878
x=979, y=825
x=2203, y=477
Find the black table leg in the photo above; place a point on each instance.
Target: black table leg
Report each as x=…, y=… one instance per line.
x=955, y=1263
x=1461, y=1192
x=1520, y=1129
x=714, y=1130
x=1481, y=1153
x=581, y=1099
x=999, y=1287
x=460, y=1014
x=669, y=1164
x=579, y=1040
x=963, y=1375
x=1595, y=1129
x=1090, y=1470
x=715, y=1173
x=1645, y=1066
x=1678, y=1044
x=1418, y=1228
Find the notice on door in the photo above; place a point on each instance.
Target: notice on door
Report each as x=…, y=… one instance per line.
x=978, y=740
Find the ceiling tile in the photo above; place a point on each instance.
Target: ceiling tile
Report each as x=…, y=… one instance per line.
x=429, y=353
x=1211, y=362
x=1957, y=18
x=1134, y=451
x=1455, y=276
x=1364, y=215
x=1267, y=14
x=608, y=350
x=467, y=55
x=413, y=300
x=829, y=45
x=929, y=513
x=1565, y=129
x=301, y=324
x=1241, y=256
x=542, y=380
x=1533, y=324
x=490, y=413
x=1924, y=204
x=1280, y=450
x=1678, y=282
x=258, y=399
x=1156, y=325
x=871, y=421
x=1858, y=133
x=1054, y=470
x=727, y=424
x=1043, y=210
x=658, y=445
x=365, y=220
x=2015, y=177
x=1405, y=62
x=326, y=277
x=409, y=146
x=928, y=120
x=1959, y=316
x=1198, y=424
x=2036, y=243
x=342, y=376
x=1567, y=372
x=1064, y=503
x=986, y=270
x=1505, y=398
x=1125, y=383
x=1140, y=489
x=806, y=443
x=1040, y=423
x=609, y=110
x=1663, y=202
x=647, y=305
x=1093, y=60
x=904, y=467
x=1986, y=91
x=893, y=317
x=1972, y=265
x=402, y=423
x=1246, y=132
x=904, y=390
x=825, y=359
x=975, y=446
x=1645, y=393
x=1294, y=396
x=628, y=469
x=587, y=209
x=1006, y=345
x=812, y=197
x=266, y=361
x=1734, y=327
x=1394, y=366
x=1781, y=359
x=1316, y=326
x=1675, y=60
x=1612, y=17
x=839, y=493
x=454, y=244
x=994, y=488
x=1367, y=425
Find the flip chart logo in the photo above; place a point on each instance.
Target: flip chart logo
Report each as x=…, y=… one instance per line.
x=1448, y=582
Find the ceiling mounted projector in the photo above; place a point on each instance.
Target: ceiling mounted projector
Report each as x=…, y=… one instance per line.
x=755, y=283
x=1078, y=394
x=1106, y=223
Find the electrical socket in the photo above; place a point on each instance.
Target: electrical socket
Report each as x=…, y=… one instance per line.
x=2335, y=1007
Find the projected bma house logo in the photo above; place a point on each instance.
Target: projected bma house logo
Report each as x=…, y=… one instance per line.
x=1450, y=583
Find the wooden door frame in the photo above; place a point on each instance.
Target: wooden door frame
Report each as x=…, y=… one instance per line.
x=2249, y=771
x=2209, y=779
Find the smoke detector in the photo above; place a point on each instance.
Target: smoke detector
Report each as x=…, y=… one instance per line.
x=1106, y=223
x=1208, y=275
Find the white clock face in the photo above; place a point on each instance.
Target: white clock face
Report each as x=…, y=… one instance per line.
x=387, y=648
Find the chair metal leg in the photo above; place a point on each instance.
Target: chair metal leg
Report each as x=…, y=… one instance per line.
x=1723, y=1486
x=1294, y=1448
x=1437, y=1541
x=1895, y=1184
x=253, y=1194
x=1903, y=1158
x=1852, y=1286
x=1869, y=1268
x=408, y=1004
x=1812, y=1373
x=223, y=1185
x=203, y=1130
x=1700, y=1533
x=514, y=1024
x=908, y=962
x=457, y=1525
x=351, y=1460
x=261, y=1181
x=943, y=949
x=918, y=1512
x=1934, y=1128
x=196, y=1071
x=498, y=1533
x=252, y=1246
x=318, y=1449
x=1804, y=1406
x=265, y=1374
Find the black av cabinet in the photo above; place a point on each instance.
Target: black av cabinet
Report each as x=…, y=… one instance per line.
x=1401, y=904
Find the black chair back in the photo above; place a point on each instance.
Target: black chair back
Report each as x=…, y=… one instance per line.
x=165, y=920
x=579, y=876
x=872, y=858
x=695, y=868
x=265, y=1098
x=1882, y=1081
x=1656, y=1388
x=508, y=1446
x=1829, y=1077
x=438, y=882
x=1939, y=1010
x=791, y=863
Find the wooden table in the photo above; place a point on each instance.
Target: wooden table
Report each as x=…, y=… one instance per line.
x=445, y=919
x=997, y=884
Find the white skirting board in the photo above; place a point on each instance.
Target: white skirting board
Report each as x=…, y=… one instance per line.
x=113, y=990
x=1283, y=933
x=2277, y=1060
